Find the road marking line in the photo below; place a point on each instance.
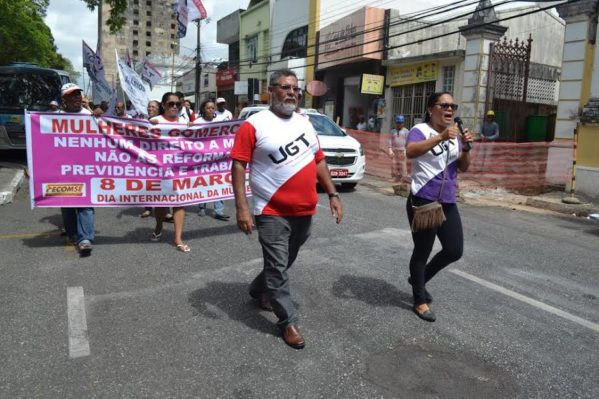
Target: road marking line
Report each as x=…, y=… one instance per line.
x=78, y=342
x=30, y=235
x=530, y=301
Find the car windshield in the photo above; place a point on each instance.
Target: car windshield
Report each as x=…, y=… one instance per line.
x=31, y=90
x=324, y=126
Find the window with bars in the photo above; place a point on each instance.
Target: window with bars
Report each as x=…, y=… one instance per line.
x=252, y=49
x=448, y=78
x=410, y=100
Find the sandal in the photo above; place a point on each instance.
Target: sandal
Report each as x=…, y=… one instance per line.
x=183, y=248
x=155, y=237
x=146, y=213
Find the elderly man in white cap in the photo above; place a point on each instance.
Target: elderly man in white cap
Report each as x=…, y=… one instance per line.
x=79, y=223
x=222, y=113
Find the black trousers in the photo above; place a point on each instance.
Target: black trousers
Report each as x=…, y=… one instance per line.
x=451, y=237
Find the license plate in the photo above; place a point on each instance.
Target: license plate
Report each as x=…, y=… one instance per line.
x=339, y=172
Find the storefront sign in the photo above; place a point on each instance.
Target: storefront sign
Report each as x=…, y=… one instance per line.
x=241, y=88
x=372, y=84
x=410, y=74
x=345, y=41
x=226, y=77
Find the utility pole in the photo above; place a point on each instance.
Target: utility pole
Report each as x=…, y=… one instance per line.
x=198, y=67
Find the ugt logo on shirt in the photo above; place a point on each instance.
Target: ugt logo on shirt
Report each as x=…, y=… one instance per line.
x=290, y=149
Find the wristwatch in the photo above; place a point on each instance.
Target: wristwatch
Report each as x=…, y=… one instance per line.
x=335, y=194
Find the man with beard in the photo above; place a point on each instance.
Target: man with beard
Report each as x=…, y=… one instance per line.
x=285, y=161
x=78, y=222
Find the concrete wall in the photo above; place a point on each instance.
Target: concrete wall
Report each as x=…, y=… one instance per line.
x=546, y=29
x=287, y=15
x=227, y=28
x=254, y=22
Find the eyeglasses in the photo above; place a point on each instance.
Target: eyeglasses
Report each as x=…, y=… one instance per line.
x=172, y=104
x=446, y=106
x=288, y=87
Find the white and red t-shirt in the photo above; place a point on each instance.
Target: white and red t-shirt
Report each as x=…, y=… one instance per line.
x=282, y=154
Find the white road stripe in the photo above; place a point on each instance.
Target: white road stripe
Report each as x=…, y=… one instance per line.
x=78, y=343
x=530, y=301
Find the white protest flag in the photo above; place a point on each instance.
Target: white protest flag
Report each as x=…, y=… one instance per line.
x=182, y=18
x=133, y=86
x=150, y=74
x=196, y=10
x=95, y=69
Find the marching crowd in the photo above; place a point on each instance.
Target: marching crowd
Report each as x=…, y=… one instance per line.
x=284, y=194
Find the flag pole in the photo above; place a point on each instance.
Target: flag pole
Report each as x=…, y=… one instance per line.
x=198, y=66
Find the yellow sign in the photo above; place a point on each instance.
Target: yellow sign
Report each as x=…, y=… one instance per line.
x=410, y=74
x=372, y=84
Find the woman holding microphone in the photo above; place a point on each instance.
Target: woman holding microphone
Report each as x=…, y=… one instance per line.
x=437, y=151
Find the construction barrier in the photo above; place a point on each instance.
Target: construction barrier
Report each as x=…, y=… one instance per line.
x=512, y=166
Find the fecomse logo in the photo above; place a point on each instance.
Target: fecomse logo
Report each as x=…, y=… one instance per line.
x=64, y=190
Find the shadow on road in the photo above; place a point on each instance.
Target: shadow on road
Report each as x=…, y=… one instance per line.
x=372, y=291
x=230, y=298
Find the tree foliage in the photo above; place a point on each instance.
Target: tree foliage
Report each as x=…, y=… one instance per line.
x=117, y=7
x=26, y=37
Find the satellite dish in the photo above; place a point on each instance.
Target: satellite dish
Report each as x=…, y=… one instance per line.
x=317, y=88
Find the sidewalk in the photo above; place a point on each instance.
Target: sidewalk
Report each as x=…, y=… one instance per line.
x=11, y=180
x=552, y=201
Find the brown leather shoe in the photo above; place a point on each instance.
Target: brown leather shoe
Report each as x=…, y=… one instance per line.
x=292, y=337
x=264, y=302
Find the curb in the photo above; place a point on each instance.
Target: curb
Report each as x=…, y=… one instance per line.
x=8, y=190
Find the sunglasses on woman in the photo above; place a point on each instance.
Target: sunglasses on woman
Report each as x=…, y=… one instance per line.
x=446, y=106
x=172, y=104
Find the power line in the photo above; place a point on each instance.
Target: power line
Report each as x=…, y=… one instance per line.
x=401, y=21
x=440, y=35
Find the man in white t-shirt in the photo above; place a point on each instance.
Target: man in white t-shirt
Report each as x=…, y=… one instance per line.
x=283, y=153
x=79, y=223
x=222, y=113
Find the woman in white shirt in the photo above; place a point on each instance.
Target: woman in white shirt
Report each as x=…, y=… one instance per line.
x=171, y=105
x=208, y=115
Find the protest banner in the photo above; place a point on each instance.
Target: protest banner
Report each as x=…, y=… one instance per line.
x=150, y=74
x=133, y=86
x=196, y=10
x=78, y=160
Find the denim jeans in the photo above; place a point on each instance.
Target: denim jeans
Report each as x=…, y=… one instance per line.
x=79, y=223
x=219, y=207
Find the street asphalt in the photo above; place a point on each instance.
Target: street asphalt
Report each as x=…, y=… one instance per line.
x=518, y=315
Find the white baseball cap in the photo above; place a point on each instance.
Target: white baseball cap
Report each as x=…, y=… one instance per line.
x=68, y=88
x=220, y=100
x=54, y=102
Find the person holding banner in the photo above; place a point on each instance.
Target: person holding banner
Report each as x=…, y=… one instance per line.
x=171, y=106
x=283, y=186
x=207, y=115
x=153, y=110
x=79, y=223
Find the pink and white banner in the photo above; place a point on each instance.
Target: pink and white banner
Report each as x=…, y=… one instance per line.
x=78, y=160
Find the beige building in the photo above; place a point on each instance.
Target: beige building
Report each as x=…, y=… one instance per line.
x=150, y=30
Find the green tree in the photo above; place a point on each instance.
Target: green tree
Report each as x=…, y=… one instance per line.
x=25, y=36
x=117, y=7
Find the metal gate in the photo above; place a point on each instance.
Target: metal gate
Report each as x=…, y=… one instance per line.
x=507, y=86
x=410, y=100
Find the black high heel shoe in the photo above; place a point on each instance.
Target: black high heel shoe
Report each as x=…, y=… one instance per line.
x=427, y=315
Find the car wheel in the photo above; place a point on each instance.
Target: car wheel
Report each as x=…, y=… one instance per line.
x=348, y=185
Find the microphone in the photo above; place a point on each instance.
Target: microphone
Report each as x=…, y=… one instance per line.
x=458, y=120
